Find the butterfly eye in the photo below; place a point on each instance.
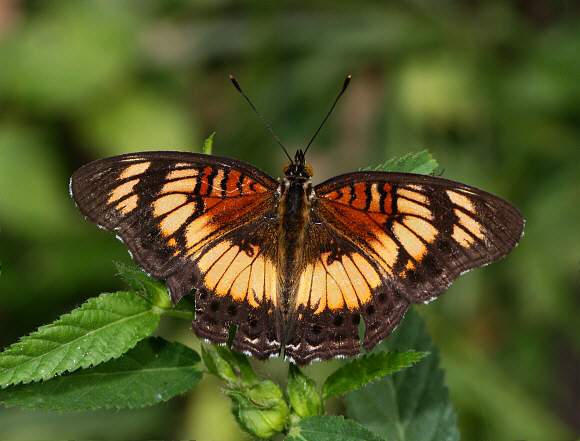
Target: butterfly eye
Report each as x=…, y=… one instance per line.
x=287, y=167
x=308, y=170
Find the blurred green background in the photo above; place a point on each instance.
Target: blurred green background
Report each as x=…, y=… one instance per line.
x=491, y=88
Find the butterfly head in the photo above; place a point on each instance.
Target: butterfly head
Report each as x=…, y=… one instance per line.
x=298, y=169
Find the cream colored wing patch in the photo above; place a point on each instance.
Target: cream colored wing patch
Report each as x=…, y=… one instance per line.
x=468, y=228
x=244, y=275
x=347, y=283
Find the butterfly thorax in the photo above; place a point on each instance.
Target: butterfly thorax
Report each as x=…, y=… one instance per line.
x=293, y=218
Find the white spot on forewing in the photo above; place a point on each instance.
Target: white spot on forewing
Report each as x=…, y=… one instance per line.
x=179, y=186
x=173, y=221
x=127, y=205
x=167, y=203
x=180, y=173
x=375, y=198
x=409, y=241
x=122, y=190
x=421, y=227
x=462, y=237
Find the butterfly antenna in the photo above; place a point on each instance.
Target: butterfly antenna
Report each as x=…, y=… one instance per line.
x=344, y=86
x=237, y=86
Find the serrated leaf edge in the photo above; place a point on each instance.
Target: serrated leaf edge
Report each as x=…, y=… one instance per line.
x=419, y=354
x=86, y=307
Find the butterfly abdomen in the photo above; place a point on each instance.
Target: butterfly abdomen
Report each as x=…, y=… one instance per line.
x=293, y=219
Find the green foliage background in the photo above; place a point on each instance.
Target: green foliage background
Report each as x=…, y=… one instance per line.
x=491, y=88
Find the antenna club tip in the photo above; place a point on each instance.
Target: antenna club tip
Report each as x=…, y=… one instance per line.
x=235, y=83
x=346, y=82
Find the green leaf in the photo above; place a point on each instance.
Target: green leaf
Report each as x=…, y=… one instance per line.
x=208, y=144
x=184, y=309
x=412, y=403
x=102, y=328
x=330, y=428
x=154, y=291
x=423, y=163
x=366, y=369
x=155, y=370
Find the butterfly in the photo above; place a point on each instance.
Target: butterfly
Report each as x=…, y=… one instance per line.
x=295, y=266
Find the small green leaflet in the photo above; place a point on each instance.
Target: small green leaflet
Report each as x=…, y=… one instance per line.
x=366, y=369
x=422, y=163
x=302, y=393
x=153, y=290
x=102, y=328
x=155, y=370
x=231, y=367
x=208, y=144
x=330, y=428
x=412, y=404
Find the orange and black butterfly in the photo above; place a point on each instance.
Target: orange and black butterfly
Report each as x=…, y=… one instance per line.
x=294, y=266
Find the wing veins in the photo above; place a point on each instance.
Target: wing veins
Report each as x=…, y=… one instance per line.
x=338, y=284
x=351, y=283
x=241, y=271
x=417, y=236
x=361, y=271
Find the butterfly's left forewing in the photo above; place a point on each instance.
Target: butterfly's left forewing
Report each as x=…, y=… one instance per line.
x=199, y=221
x=423, y=230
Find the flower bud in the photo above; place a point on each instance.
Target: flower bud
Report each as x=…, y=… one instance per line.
x=302, y=393
x=260, y=409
